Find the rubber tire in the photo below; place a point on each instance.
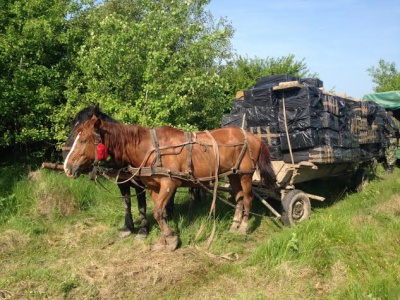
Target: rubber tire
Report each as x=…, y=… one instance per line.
x=296, y=207
x=360, y=179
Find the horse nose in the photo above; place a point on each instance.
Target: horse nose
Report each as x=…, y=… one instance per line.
x=72, y=172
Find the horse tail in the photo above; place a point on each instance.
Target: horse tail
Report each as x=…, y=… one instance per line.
x=265, y=167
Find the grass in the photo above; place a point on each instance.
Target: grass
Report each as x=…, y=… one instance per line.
x=58, y=240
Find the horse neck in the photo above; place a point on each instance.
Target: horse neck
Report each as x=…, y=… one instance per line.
x=127, y=144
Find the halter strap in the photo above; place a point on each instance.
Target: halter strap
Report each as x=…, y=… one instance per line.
x=97, y=140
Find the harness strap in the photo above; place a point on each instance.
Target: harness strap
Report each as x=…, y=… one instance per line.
x=150, y=171
x=97, y=140
x=156, y=147
x=216, y=153
x=243, y=152
x=188, y=140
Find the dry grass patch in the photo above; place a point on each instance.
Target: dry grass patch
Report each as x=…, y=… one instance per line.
x=391, y=207
x=10, y=240
x=55, y=200
x=122, y=272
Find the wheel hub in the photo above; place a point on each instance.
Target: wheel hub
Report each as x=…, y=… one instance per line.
x=298, y=210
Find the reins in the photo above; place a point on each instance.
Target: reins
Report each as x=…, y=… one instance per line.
x=97, y=170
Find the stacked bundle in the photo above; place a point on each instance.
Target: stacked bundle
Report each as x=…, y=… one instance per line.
x=300, y=122
x=321, y=132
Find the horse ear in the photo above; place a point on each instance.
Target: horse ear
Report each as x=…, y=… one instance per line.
x=96, y=109
x=97, y=125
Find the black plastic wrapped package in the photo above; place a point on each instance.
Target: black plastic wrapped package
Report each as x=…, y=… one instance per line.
x=263, y=116
x=328, y=137
x=300, y=139
x=333, y=104
x=299, y=118
x=303, y=97
x=276, y=152
x=265, y=133
x=233, y=120
x=346, y=154
x=298, y=156
x=330, y=121
x=312, y=81
x=261, y=96
x=348, y=140
x=275, y=79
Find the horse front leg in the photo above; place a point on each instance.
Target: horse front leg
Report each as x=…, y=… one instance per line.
x=142, y=207
x=168, y=240
x=126, y=201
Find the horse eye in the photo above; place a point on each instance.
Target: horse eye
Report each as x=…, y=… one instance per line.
x=83, y=141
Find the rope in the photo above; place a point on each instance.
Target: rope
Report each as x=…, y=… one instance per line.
x=286, y=128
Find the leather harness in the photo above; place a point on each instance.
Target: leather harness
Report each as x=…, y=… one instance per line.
x=190, y=139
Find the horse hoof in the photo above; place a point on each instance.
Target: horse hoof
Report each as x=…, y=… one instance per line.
x=144, y=231
x=242, y=230
x=124, y=233
x=141, y=236
x=234, y=227
x=172, y=243
x=157, y=247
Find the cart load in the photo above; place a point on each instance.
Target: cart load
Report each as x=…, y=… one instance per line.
x=301, y=122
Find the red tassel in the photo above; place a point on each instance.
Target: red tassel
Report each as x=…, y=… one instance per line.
x=102, y=152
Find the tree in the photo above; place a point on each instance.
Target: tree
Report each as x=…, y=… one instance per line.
x=152, y=62
x=385, y=76
x=34, y=49
x=242, y=72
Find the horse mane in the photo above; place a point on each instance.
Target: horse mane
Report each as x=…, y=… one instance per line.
x=116, y=134
x=88, y=112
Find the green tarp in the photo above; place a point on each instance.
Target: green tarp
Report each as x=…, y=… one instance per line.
x=389, y=100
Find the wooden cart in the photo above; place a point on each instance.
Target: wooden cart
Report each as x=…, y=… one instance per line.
x=295, y=203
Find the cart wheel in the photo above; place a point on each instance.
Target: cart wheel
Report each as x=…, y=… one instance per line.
x=296, y=207
x=360, y=179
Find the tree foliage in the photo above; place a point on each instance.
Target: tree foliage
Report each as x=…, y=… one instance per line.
x=242, y=72
x=385, y=76
x=34, y=49
x=152, y=63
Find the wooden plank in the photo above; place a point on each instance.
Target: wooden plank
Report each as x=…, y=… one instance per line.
x=287, y=85
x=263, y=201
x=240, y=95
x=51, y=166
x=315, y=197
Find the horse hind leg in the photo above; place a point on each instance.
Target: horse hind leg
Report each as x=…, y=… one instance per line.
x=246, y=183
x=238, y=196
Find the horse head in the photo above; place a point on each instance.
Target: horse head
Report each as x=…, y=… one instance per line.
x=83, y=151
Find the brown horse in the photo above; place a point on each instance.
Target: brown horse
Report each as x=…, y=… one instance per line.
x=166, y=158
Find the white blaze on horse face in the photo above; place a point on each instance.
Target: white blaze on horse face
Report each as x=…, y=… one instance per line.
x=70, y=151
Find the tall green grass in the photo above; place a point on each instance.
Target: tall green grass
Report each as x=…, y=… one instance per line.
x=359, y=232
